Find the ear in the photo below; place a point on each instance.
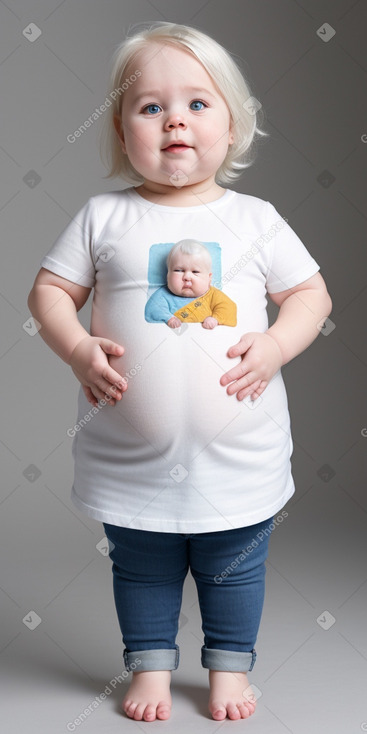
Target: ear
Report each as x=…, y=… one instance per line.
x=118, y=127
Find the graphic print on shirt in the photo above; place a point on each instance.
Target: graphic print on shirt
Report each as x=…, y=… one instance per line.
x=181, y=290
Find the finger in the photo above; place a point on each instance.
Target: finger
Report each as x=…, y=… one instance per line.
x=107, y=389
x=235, y=373
x=89, y=395
x=113, y=377
x=111, y=347
x=240, y=348
x=236, y=350
x=251, y=387
x=251, y=390
x=242, y=383
x=101, y=393
x=94, y=400
x=259, y=391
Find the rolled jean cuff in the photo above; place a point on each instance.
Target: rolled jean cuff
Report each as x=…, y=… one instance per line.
x=162, y=659
x=228, y=660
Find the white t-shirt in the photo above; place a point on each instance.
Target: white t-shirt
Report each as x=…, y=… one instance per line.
x=177, y=453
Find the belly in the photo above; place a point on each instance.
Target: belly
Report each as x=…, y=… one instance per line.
x=174, y=395
x=173, y=383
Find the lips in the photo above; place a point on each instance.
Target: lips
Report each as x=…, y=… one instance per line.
x=176, y=147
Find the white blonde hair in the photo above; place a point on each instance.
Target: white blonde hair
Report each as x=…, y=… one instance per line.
x=225, y=74
x=190, y=247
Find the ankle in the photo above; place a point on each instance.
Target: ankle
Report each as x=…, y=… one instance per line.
x=157, y=673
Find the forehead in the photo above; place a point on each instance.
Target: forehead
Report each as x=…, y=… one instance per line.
x=184, y=257
x=164, y=64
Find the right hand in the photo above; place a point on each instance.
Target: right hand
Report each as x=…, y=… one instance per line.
x=174, y=322
x=90, y=365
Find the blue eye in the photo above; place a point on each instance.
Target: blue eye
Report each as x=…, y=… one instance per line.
x=153, y=107
x=197, y=102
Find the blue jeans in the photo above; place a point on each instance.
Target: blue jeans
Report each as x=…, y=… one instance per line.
x=149, y=569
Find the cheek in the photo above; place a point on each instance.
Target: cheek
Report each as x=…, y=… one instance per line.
x=139, y=141
x=216, y=137
x=171, y=281
x=175, y=279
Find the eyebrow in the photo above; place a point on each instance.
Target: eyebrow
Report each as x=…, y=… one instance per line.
x=157, y=92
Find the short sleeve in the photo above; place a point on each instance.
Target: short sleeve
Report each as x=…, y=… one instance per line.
x=71, y=256
x=290, y=263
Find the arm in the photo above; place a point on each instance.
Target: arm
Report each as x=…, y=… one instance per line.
x=301, y=309
x=224, y=310
x=54, y=302
x=157, y=307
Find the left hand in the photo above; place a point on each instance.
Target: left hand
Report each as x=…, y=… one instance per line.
x=262, y=359
x=210, y=322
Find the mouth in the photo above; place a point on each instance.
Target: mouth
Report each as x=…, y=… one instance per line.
x=176, y=147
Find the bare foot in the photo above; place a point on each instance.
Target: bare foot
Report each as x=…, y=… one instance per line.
x=149, y=696
x=230, y=695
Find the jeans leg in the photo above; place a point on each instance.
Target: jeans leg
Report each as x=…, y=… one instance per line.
x=149, y=570
x=229, y=571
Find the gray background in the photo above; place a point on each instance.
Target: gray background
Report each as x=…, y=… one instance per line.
x=313, y=95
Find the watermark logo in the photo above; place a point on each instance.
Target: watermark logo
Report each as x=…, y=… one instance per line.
x=178, y=473
x=326, y=620
x=72, y=725
x=105, y=547
x=31, y=473
x=31, y=32
x=98, y=111
x=250, y=403
x=178, y=179
x=105, y=252
x=32, y=326
x=326, y=326
x=325, y=179
x=102, y=403
x=325, y=32
x=252, y=105
x=32, y=620
x=252, y=693
x=256, y=246
x=218, y=579
x=326, y=472
x=32, y=179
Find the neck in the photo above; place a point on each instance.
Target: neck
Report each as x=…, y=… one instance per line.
x=190, y=195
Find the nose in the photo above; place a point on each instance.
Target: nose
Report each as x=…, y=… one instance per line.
x=173, y=121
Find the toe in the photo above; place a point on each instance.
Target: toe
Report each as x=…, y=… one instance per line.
x=217, y=711
x=244, y=711
x=129, y=708
x=150, y=712
x=233, y=712
x=139, y=711
x=163, y=710
x=251, y=706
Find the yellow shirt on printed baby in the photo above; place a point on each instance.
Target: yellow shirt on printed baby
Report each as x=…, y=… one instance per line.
x=212, y=303
x=189, y=266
